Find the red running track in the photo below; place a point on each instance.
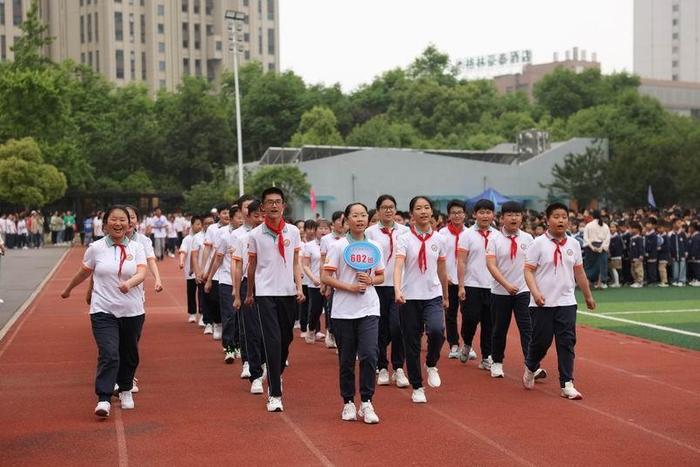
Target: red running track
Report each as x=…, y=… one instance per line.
x=641, y=405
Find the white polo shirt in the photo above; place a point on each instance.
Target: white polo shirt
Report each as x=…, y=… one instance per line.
x=312, y=250
x=374, y=233
x=146, y=243
x=227, y=243
x=349, y=305
x=210, y=239
x=102, y=258
x=221, y=237
x=274, y=275
x=417, y=285
x=451, y=248
x=97, y=227
x=477, y=275
x=557, y=285
x=159, y=226
x=512, y=269
x=328, y=240
x=186, y=248
x=241, y=252
x=198, y=246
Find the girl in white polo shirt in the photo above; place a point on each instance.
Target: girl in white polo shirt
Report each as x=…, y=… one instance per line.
x=355, y=316
x=118, y=266
x=421, y=292
x=553, y=267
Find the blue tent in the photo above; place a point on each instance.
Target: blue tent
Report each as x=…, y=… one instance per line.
x=489, y=194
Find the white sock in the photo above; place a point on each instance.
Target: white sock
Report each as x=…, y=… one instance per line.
x=616, y=277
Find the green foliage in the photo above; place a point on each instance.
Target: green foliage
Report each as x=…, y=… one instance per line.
x=380, y=132
x=581, y=177
x=318, y=127
x=288, y=178
x=27, y=48
x=25, y=180
x=203, y=196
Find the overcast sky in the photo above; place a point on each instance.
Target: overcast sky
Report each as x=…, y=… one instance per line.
x=351, y=41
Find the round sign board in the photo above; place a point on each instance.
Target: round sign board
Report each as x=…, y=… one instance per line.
x=361, y=256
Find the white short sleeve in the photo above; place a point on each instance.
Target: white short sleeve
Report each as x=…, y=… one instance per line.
x=380, y=263
x=577, y=254
x=140, y=255
x=532, y=254
x=252, y=245
x=89, y=258
x=463, y=242
x=401, y=246
x=332, y=258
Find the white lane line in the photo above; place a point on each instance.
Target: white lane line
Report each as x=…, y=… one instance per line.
x=639, y=323
x=649, y=312
x=26, y=305
x=307, y=441
x=121, y=439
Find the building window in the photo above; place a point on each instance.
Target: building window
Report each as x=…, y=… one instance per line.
x=210, y=71
x=132, y=31
x=97, y=60
x=132, y=62
x=675, y=49
x=3, y=47
x=143, y=29
x=246, y=3
x=161, y=47
x=198, y=67
x=674, y=64
x=271, y=66
x=143, y=66
x=120, y=63
x=82, y=29
x=186, y=35
x=185, y=6
x=82, y=58
x=674, y=77
x=161, y=10
x=17, y=12
x=97, y=30
x=271, y=9
x=260, y=7
x=271, y=41
x=675, y=36
x=161, y=83
x=90, y=59
x=118, y=26
x=218, y=45
x=209, y=7
x=197, y=6
x=117, y=1
x=161, y=65
x=246, y=54
x=186, y=66
x=89, y=28
x=210, y=30
x=674, y=22
x=161, y=28
x=82, y=2
x=197, y=36
x=259, y=41
x=2, y=12
x=246, y=37
x=676, y=8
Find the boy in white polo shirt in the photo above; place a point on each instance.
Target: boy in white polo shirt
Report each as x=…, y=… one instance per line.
x=274, y=276
x=553, y=268
x=505, y=258
x=186, y=262
x=472, y=269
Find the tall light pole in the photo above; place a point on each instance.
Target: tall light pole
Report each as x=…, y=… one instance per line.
x=236, y=18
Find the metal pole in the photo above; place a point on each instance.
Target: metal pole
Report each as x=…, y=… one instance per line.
x=239, y=137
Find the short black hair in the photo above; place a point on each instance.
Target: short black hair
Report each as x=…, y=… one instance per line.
x=273, y=190
x=337, y=215
x=254, y=206
x=415, y=199
x=484, y=204
x=554, y=206
x=233, y=209
x=222, y=207
x=385, y=197
x=511, y=206
x=371, y=213
x=456, y=203
x=310, y=224
x=133, y=208
x=196, y=218
x=243, y=198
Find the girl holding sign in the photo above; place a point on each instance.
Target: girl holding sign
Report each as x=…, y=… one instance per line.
x=353, y=266
x=420, y=288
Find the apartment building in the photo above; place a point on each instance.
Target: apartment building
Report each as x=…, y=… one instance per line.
x=156, y=42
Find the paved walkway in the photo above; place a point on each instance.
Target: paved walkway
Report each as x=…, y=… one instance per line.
x=21, y=272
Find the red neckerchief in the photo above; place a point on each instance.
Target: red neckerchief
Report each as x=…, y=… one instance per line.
x=387, y=231
x=557, y=253
x=513, y=245
x=422, y=257
x=485, y=234
x=122, y=257
x=280, y=238
x=453, y=230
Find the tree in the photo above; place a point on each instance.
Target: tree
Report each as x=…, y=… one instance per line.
x=28, y=47
x=433, y=65
x=288, y=178
x=203, y=196
x=25, y=180
x=582, y=177
x=318, y=127
x=380, y=132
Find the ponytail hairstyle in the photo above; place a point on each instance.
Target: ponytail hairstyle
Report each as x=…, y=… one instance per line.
x=116, y=207
x=596, y=215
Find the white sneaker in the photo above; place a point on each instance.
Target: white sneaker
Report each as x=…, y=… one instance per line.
x=126, y=400
x=528, y=379
x=454, y=352
x=191, y=319
x=636, y=285
x=320, y=335
x=466, y=354
x=570, y=392
x=217, y=332
x=433, y=377
x=230, y=357
x=349, y=412
x=330, y=341
x=310, y=337
x=486, y=363
x=603, y=286
x=497, y=370
x=297, y=324
x=418, y=396
x=201, y=322
x=616, y=286
x=303, y=334
x=102, y=409
x=367, y=413
x=208, y=329
x=383, y=377
x=237, y=353
x=245, y=372
x=399, y=377
x=663, y=285
x=541, y=373
x=256, y=387
x=274, y=404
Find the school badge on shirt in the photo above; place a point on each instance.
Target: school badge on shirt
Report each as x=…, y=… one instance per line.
x=434, y=248
x=129, y=257
x=570, y=252
x=286, y=242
